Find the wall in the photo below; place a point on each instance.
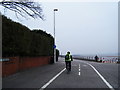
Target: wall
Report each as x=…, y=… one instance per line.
x=16, y=64
x=28, y=62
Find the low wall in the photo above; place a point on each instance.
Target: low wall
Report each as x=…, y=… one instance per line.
x=28, y=62
x=15, y=64
x=11, y=66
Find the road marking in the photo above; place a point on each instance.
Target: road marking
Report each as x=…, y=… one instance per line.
x=84, y=65
x=74, y=65
x=102, y=78
x=79, y=65
x=44, y=86
x=79, y=70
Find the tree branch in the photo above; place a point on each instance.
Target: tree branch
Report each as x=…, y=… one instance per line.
x=24, y=7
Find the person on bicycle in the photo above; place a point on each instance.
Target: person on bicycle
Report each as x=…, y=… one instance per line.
x=96, y=58
x=68, y=59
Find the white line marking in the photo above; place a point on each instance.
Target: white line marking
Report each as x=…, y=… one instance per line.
x=74, y=65
x=85, y=65
x=79, y=70
x=44, y=86
x=102, y=78
x=79, y=65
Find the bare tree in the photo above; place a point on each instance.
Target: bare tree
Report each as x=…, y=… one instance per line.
x=24, y=8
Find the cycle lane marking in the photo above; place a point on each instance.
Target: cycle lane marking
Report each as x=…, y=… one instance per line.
x=104, y=80
x=79, y=70
x=51, y=80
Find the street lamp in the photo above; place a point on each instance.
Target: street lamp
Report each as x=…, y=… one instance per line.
x=54, y=37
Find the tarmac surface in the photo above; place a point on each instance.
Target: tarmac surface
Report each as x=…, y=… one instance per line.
x=84, y=75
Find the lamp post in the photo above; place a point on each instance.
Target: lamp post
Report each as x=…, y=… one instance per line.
x=54, y=37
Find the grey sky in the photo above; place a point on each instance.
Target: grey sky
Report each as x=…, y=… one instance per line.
x=85, y=28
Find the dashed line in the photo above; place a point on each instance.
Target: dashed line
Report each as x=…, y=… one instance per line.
x=79, y=65
x=79, y=70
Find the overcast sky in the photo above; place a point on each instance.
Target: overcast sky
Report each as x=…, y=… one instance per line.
x=84, y=28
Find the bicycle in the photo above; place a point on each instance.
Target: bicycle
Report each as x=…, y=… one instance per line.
x=68, y=68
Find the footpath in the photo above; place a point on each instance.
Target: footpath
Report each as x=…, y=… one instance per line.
x=32, y=78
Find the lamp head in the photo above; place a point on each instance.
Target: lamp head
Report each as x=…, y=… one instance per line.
x=55, y=9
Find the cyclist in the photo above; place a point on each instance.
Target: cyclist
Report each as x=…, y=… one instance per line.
x=68, y=59
x=96, y=58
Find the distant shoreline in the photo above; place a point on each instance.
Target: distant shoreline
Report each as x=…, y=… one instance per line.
x=111, y=56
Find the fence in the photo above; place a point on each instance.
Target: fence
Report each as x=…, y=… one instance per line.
x=104, y=59
x=107, y=59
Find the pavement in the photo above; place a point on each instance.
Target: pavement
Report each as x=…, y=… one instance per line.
x=84, y=75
